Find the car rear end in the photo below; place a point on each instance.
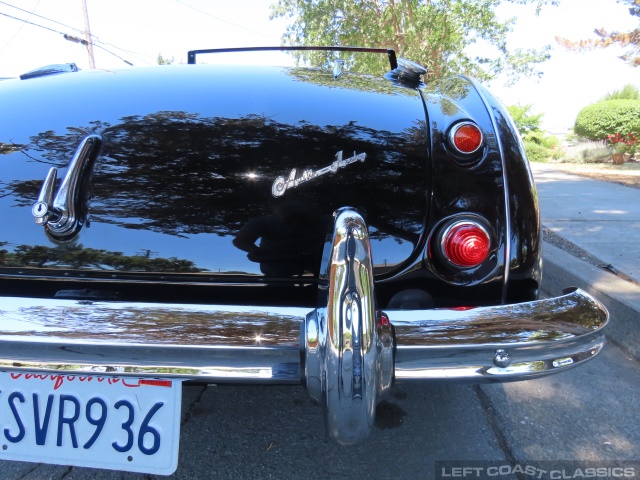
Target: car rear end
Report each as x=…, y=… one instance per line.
x=265, y=225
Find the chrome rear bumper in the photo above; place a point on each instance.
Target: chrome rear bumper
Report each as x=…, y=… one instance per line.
x=222, y=344
x=346, y=352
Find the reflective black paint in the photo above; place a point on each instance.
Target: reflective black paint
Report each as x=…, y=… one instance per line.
x=182, y=192
x=184, y=182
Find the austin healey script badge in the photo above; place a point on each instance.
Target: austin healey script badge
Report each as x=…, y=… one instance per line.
x=282, y=184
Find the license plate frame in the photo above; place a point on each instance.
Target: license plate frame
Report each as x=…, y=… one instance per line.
x=53, y=418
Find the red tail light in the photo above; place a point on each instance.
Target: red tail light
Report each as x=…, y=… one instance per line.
x=466, y=244
x=465, y=138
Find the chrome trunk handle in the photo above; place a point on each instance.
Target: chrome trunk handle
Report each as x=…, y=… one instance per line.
x=63, y=216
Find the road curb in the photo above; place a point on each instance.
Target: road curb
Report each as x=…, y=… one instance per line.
x=622, y=298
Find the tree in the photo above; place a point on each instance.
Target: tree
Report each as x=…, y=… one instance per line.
x=628, y=40
x=537, y=144
x=435, y=33
x=164, y=61
x=525, y=120
x=628, y=92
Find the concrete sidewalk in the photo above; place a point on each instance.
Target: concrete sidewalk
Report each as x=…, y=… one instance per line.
x=602, y=219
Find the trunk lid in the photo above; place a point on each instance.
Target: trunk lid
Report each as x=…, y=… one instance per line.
x=212, y=173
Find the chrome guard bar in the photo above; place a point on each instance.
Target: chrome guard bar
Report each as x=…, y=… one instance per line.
x=348, y=344
x=345, y=351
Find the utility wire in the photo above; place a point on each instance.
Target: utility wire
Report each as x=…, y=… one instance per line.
x=124, y=50
x=225, y=21
x=40, y=16
x=118, y=56
x=96, y=39
x=31, y=23
x=61, y=33
x=21, y=26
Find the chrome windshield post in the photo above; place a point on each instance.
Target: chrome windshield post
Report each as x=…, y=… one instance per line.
x=348, y=344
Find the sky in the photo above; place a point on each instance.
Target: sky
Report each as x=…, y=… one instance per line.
x=139, y=30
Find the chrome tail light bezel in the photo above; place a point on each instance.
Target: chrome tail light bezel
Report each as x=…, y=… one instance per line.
x=465, y=157
x=447, y=231
x=448, y=269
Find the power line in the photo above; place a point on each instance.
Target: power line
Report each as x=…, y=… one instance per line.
x=40, y=16
x=124, y=50
x=61, y=33
x=95, y=41
x=31, y=23
x=225, y=21
x=21, y=26
x=117, y=56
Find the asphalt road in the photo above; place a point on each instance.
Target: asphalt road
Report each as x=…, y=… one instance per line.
x=589, y=414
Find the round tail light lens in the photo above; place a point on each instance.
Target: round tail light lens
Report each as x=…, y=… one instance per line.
x=466, y=138
x=466, y=244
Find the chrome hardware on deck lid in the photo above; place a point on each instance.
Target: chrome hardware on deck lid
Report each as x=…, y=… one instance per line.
x=281, y=185
x=64, y=215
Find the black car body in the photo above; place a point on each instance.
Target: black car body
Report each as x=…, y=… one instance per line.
x=273, y=225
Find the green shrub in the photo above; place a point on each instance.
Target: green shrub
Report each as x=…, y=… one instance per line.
x=609, y=117
x=536, y=136
x=541, y=138
x=536, y=152
x=550, y=141
x=557, y=153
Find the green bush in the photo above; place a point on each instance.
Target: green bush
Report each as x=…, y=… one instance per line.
x=550, y=141
x=541, y=138
x=536, y=136
x=557, y=153
x=609, y=117
x=536, y=152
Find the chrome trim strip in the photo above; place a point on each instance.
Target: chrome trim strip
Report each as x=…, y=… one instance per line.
x=236, y=344
x=507, y=207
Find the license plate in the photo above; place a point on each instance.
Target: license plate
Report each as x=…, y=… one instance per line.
x=117, y=423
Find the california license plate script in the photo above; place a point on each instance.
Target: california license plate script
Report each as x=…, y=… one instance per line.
x=118, y=423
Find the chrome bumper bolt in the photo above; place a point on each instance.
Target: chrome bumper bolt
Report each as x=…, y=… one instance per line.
x=502, y=359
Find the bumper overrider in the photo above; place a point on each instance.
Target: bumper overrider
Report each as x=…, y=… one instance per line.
x=346, y=352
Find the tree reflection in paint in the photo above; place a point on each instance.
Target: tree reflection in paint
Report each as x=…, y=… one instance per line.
x=181, y=174
x=76, y=256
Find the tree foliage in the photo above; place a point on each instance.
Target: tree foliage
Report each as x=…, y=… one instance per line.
x=537, y=144
x=536, y=152
x=164, y=61
x=630, y=40
x=525, y=120
x=77, y=256
x=628, y=92
x=599, y=120
x=435, y=33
